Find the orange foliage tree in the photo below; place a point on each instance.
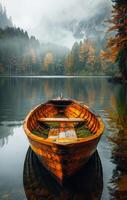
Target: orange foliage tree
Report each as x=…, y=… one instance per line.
x=117, y=44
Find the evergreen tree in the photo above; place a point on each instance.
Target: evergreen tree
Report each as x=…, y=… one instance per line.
x=18, y=52
x=75, y=56
x=4, y=20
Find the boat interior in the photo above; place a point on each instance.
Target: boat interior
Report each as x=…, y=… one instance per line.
x=62, y=120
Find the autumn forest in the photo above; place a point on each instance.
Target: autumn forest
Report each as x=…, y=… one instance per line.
x=21, y=54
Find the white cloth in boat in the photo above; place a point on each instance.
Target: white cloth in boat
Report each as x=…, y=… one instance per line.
x=70, y=133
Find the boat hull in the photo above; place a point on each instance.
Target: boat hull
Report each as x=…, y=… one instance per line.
x=65, y=154
x=63, y=161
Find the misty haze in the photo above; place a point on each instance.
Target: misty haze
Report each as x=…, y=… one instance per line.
x=56, y=21
x=55, y=38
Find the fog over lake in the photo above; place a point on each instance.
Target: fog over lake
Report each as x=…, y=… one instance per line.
x=53, y=20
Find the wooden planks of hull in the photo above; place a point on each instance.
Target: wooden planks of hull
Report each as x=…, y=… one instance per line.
x=62, y=161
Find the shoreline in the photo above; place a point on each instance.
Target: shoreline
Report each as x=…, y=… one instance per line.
x=59, y=76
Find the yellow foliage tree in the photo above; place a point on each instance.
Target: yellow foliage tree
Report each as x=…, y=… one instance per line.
x=48, y=59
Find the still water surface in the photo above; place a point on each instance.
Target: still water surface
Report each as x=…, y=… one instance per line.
x=105, y=175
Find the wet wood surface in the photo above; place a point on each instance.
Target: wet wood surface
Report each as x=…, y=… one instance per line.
x=61, y=120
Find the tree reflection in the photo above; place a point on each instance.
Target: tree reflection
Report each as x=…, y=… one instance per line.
x=19, y=95
x=85, y=185
x=3, y=141
x=118, y=182
x=6, y=129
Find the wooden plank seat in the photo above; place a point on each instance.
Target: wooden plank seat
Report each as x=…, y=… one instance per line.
x=61, y=120
x=63, y=130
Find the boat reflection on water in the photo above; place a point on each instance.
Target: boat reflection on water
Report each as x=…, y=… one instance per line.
x=87, y=184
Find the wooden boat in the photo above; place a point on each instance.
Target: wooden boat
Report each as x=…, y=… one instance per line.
x=64, y=134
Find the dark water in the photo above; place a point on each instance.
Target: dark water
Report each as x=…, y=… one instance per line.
x=104, y=177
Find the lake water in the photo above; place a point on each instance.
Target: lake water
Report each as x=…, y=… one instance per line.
x=105, y=175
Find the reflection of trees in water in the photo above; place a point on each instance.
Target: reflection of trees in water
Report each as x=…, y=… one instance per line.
x=88, y=90
x=118, y=187
x=19, y=95
x=4, y=134
x=6, y=129
x=87, y=184
x=3, y=141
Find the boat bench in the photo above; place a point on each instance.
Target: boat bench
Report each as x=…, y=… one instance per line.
x=64, y=130
x=61, y=120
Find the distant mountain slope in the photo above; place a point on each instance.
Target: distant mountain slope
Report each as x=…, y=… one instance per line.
x=4, y=20
x=71, y=24
x=94, y=26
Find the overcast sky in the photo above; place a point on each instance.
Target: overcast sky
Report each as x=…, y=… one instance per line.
x=42, y=18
